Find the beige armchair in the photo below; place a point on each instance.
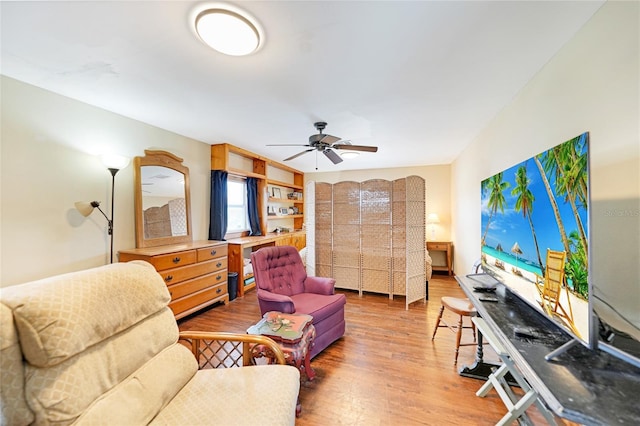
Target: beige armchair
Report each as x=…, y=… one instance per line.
x=101, y=346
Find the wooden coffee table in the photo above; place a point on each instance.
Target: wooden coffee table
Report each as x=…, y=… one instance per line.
x=294, y=335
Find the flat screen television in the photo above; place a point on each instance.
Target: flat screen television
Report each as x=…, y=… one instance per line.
x=535, y=235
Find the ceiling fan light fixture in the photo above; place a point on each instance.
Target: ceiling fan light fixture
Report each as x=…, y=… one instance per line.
x=228, y=30
x=349, y=154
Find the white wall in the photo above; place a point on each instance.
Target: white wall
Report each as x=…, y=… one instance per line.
x=592, y=85
x=437, y=182
x=48, y=162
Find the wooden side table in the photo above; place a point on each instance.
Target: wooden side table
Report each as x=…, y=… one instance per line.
x=447, y=248
x=295, y=336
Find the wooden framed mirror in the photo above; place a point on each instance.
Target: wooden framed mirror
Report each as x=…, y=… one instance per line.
x=162, y=200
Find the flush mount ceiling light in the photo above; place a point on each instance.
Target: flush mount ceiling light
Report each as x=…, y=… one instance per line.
x=349, y=154
x=228, y=30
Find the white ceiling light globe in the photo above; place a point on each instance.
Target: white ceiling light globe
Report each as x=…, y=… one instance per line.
x=227, y=32
x=350, y=154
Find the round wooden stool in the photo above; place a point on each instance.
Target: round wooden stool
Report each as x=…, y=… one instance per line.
x=463, y=308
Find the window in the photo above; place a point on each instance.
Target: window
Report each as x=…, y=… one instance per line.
x=237, y=205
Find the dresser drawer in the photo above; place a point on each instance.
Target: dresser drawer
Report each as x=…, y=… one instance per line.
x=172, y=260
x=196, y=284
x=176, y=275
x=219, y=264
x=196, y=301
x=211, y=253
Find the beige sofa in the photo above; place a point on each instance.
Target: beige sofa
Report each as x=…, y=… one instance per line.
x=101, y=347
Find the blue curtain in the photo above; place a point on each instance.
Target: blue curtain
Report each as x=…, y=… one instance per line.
x=252, y=205
x=218, y=211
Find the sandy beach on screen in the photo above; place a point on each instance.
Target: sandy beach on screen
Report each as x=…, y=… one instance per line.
x=525, y=288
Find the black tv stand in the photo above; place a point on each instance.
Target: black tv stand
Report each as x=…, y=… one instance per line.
x=575, y=386
x=556, y=352
x=480, y=369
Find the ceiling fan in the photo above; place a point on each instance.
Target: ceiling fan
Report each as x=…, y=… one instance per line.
x=326, y=144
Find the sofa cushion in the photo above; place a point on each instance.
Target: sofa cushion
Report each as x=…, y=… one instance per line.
x=13, y=405
x=61, y=316
x=96, y=338
x=137, y=399
x=62, y=393
x=236, y=396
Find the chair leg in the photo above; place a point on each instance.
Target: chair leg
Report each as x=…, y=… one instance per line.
x=435, y=330
x=458, y=338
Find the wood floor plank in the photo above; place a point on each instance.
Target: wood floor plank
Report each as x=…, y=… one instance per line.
x=386, y=370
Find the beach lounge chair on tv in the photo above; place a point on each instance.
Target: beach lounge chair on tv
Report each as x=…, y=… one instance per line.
x=550, y=288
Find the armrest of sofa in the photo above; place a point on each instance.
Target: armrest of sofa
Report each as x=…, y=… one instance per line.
x=237, y=350
x=320, y=285
x=276, y=302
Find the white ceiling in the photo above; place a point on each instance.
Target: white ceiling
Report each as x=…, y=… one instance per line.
x=418, y=79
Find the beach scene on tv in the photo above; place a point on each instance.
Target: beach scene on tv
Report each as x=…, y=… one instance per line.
x=534, y=232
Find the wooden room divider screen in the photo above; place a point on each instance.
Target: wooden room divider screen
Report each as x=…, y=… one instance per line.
x=369, y=236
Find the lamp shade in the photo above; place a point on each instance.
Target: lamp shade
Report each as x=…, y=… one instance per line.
x=85, y=207
x=433, y=218
x=114, y=161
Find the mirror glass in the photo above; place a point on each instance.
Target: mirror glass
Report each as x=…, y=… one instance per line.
x=162, y=200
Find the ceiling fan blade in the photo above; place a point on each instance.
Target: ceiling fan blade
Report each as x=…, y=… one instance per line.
x=331, y=155
x=328, y=139
x=298, y=154
x=289, y=144
x=365, y=148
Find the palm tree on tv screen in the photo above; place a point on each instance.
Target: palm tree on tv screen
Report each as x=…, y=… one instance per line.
x=566, y=166
x=496, y=186
x=568, y=163
x=539, y=159
x=524, y=204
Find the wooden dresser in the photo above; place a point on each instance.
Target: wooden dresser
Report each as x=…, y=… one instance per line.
x=195, y=272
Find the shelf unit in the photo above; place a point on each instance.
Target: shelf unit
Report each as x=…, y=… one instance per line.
x=276, y=203
x=270, y=174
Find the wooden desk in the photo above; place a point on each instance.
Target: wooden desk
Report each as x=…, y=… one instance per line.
x=237, y=247
x=584, y=386
x=447, y=248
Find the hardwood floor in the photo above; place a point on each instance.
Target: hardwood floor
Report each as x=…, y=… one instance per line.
x=386, y=370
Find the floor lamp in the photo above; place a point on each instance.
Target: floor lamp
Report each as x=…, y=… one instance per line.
x=114, y=163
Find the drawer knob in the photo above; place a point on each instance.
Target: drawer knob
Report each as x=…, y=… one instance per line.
x=213, y=252
x=218, y=264
x=218, y=291
x=168, y=278
x=176, y=259
x=218, y=277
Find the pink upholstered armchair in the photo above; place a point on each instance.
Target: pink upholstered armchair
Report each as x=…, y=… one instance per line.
x=283, y=286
